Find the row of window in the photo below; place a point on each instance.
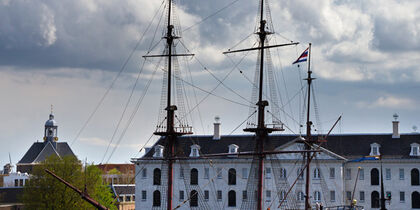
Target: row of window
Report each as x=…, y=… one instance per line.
x=193, y=199
x=127, y=198
x=374, y=175
x=415, y=197
x=19, y=182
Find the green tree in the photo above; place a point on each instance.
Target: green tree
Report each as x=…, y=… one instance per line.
x=45, y=192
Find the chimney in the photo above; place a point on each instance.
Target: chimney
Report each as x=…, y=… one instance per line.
x=395, y=132
x=216, y=134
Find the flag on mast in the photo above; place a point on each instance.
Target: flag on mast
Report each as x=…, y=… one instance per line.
x=303, y=57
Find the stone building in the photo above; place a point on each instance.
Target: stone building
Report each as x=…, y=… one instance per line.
x=228, y=182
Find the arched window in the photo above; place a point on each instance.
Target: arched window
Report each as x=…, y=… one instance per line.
x=317, y=174
x=415, y=176
x=374, y=176
x=374, y=199
x=156, y=176
x=194, y=177
x=232, y=198
x=415, y=200
x=156, y=198
x=317, y=196
x=283, y=173
x=193, y=198
x=232, y=177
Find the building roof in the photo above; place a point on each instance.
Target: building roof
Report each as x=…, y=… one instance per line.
x=123, y=168
x=39, y=151
x=346, y=145
x=123, y=189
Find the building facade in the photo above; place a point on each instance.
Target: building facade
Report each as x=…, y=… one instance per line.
x=339, y=173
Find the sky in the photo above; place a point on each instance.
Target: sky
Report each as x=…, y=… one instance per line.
x=69, y=53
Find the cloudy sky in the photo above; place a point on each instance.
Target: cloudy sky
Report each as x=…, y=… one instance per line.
x=69, y=52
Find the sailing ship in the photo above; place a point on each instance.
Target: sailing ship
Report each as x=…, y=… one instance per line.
x=258, y=171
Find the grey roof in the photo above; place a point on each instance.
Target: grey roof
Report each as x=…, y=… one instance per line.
x=39, y=151
x=124, y=189
x=346, y=145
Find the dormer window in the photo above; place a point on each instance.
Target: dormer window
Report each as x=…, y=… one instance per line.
x=414, y=149
x=195, y=148
x=374, y=149
x=233, y=148
x=158, y=151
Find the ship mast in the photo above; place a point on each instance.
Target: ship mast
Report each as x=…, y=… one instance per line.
x=309, y=141
x=261, y=131
x=171, y=132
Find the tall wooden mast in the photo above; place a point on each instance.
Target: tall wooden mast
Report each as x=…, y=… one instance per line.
x=171, y=132
x=261, y=131
x=309, y=141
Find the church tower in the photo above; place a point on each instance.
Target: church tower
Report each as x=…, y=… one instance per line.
x=50, y=131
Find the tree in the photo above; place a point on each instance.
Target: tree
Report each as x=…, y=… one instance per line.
x=45, y=192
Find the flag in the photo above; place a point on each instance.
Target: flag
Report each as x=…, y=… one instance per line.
x=303, y=57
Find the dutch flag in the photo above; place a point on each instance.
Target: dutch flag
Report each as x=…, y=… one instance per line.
x=303, y=57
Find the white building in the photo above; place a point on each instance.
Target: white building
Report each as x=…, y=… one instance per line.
x=229, y=182
x=15, y=179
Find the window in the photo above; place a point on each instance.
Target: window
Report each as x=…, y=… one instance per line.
x=374, y=197
x=387, y=173
x=158, y=151
x=415, y=200
x=244, y=195
x=401, y=174
x=244, y=173
x=20, y=182
x=388, y=194
x=206, y=195
x=194, y=153
x=156, y=198
x=181, y=173
x=195, y=148
x=134, y=198
x=219, y=195
x=317, y=196
x=414, y=149
x=361, y=174
x=194, y=177
x=374, y=177
x=232, y=177
x=144, y=173
x=414, y=176
x=317, y=174
x=128, y=198
x=232, y=198
x=348, y=195
x=268, y=173
x=143, y=195
x=219, y=173
x=348, y=173
x=300, y=196
x=121, y=198
x=268, y=195
x=300, y=174
x=332, y=195
x=374, y=149
x=402, y=197
x=283, y=173
x=332, y=173
x=16, y=182
x=282, y=195
x=206, y=173
x=193, y=198
x=362, y=196
x=181, y=195
x=156, y=176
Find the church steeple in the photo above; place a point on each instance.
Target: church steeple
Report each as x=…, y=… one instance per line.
x=50, y=131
